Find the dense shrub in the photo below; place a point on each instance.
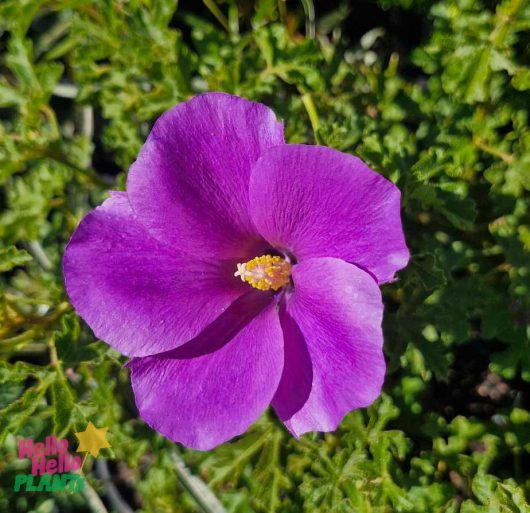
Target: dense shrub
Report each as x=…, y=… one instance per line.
x=434, y=95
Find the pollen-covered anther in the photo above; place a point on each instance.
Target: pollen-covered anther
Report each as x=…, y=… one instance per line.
x=265, y=272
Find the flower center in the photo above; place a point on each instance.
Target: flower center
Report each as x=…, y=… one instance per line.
x=265, y=272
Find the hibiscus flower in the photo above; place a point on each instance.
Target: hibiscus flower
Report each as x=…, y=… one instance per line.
x=239, y=271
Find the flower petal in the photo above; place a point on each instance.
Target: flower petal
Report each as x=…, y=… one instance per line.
x=315, y=202
x=338, y=310
x=204, y=401
x=189, y=185
x=140, y=296
x=297, y=377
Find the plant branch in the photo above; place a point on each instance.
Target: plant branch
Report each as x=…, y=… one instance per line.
x=221, y=18
x=197, y=488
x=112, y=493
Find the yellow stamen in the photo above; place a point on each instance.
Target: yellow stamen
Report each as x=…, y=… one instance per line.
x=265, y=272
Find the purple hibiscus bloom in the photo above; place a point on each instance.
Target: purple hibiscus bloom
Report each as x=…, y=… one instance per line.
x=239, y=271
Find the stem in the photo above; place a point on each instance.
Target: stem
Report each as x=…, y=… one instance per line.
x=517, y=466
x=55, y=362
x=282, y=11
x=62, y=308
x=9, y=344
x=504, y=16
x=197, y=488
x=221, y=18
x=65, y=90
x=94, y=502
x=90, y=174
x=309, y=9
x=111, y=492
x=84, y=460
x=309, y=105
x=35, y=248
x=505, y=157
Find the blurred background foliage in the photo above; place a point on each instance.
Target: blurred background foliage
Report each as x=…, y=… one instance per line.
x=432, y=94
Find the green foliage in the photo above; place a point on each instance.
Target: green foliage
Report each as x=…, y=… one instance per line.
x=446, y=118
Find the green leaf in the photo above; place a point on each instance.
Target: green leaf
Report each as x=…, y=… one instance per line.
x=12, y=257
x=427, y=271
x=435, y=357
x=63, y=402
x=521, y=79
x=15, y=415
x=461, y=213
x=477, y=75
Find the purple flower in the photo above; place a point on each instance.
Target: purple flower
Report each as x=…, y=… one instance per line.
x=239, y=271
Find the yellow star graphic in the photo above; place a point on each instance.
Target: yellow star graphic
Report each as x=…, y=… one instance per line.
x=92, y=439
